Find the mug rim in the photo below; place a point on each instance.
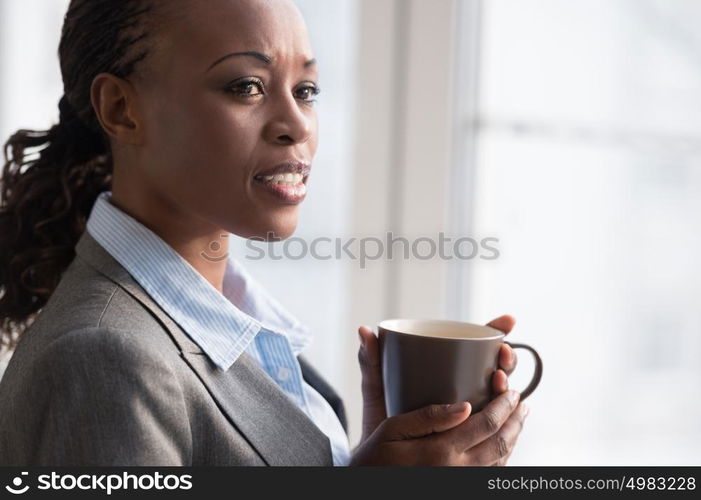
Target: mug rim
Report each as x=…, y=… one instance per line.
x=498, y=333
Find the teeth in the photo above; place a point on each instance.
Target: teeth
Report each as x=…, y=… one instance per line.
x=293, y=183
x=285, y=179
x=300, y=190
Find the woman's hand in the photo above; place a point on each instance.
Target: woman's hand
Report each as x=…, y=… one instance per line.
x=444, y=435
x=507, y=356
x=501, y=421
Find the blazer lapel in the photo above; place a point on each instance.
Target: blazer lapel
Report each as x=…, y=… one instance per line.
x=279, y=430
x=320, y=385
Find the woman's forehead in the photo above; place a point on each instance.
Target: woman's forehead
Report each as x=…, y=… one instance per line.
x=212, y=30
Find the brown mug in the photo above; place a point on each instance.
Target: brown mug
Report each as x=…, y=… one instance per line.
x=431, y=361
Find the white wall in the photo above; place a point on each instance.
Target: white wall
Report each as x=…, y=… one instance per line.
x=30, y=78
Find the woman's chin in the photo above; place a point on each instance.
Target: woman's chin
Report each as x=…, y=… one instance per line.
x=278, y=230
x=265, y=225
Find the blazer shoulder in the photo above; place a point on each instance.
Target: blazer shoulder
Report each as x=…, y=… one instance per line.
x=94, y=396
x=78, y=301
x=97, y=344
x=85, y=301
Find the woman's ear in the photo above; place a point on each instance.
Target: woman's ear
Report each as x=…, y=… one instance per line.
x=116, y=107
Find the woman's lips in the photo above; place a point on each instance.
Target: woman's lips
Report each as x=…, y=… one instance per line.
x=288, y=188
x=289, y=166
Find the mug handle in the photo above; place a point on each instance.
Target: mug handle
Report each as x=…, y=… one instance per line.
x=538, y=369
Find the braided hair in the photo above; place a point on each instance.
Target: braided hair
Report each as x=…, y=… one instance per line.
x=51, y=179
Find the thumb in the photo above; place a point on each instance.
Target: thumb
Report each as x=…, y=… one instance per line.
x=426, y=420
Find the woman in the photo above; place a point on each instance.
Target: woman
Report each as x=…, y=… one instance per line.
x=141, y=342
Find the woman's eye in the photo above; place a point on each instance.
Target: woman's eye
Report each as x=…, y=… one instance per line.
x=246, y=89
x=308, y=92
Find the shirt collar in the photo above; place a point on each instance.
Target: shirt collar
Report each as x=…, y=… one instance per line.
x=253, y=299
x=222, y=324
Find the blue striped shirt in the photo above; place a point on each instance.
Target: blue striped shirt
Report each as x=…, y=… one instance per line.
x=242, y=318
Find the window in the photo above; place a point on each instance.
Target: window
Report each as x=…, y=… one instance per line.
x=587, y=166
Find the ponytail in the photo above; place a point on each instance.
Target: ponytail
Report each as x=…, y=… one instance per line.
x=45, y=198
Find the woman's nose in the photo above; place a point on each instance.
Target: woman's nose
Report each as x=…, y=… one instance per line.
x=289, y=124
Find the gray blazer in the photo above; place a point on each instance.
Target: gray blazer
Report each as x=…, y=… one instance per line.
x=105, y=377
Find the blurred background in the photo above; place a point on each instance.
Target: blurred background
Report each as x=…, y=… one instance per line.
x=568, y=129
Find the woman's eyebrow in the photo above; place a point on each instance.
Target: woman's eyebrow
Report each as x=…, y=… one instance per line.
x=257, y=55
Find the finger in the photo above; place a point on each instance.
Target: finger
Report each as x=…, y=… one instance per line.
x=424, y=421
x=369, y=346
x=369, y=359
x=496, y=449
x=504, y=323
x=486, y=422
x=507, y=359
x=504, y=460
x=500, y=382
x=371, y=384
x=526, y=409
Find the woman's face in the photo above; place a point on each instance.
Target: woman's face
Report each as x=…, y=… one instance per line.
x=213, y=123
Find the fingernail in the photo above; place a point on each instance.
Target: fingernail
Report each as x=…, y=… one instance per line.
x=456, y=407
x=514, y=396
